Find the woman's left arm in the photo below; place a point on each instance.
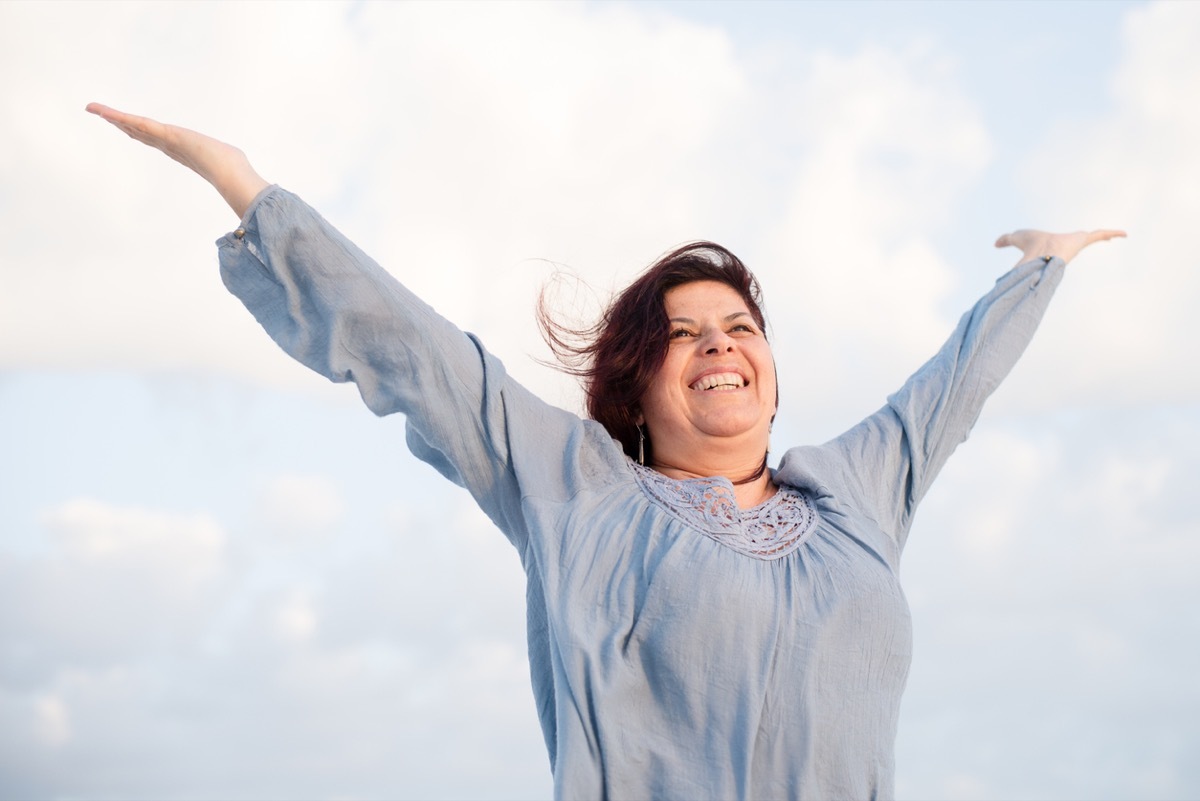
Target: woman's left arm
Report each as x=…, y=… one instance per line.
x=892, y=457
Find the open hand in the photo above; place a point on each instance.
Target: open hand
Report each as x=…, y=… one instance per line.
x=1038, y=244
x=222, y=165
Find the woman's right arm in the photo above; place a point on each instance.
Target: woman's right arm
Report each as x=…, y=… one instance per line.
x=331, y=307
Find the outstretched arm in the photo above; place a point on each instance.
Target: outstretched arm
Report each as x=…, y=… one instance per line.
x=331, y=307
x=893, y=455
x=222, y=165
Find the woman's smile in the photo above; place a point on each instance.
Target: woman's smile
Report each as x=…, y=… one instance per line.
x=719, y=381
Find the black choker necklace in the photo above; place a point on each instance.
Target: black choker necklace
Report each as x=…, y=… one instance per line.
x=762, y=468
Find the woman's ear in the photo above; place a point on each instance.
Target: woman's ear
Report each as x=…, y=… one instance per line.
x=640, y=419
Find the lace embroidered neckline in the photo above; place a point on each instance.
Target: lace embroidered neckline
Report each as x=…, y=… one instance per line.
x=771, y=530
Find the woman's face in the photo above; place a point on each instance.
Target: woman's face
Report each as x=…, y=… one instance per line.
x=718, y=379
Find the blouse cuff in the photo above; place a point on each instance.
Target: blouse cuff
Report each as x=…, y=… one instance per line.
x=244, y=223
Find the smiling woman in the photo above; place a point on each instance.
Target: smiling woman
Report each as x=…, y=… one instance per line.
x=635, y=355
x=699, y=626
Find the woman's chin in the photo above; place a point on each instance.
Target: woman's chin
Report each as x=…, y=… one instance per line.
x=734, y=426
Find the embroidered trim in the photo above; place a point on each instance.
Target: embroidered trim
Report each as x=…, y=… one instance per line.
x=771, y=530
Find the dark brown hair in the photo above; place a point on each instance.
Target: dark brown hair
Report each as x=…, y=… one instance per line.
x=619, y=356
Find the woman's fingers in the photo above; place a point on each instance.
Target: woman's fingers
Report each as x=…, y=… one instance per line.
x=1104, y=234
x=143, y=129
x=126, y=122
x=1038, y=244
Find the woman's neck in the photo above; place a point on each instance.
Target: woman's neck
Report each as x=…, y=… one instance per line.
x=752, y=483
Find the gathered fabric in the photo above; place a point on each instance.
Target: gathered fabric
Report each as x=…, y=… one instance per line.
x=679, y=647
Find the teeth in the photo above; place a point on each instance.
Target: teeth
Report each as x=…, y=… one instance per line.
x=719, y=381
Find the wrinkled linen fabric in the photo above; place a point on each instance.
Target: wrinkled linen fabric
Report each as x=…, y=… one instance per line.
x=667, y=662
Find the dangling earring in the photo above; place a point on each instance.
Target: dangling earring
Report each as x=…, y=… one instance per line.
x=641, y=447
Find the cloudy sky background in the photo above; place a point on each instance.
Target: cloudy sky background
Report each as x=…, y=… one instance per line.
x=221, y=577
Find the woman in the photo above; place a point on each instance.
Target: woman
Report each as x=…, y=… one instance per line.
x=699, y=626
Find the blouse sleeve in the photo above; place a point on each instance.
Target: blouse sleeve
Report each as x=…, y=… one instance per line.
x=331, y=307
x=888, y=461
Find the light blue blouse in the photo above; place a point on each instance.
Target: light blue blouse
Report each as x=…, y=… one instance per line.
x=679, y=647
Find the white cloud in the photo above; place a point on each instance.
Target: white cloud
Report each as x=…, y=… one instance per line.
x=886, y=144
x=1130, y=305
x=52, y=723
x=113, y=577
x=296, y=618
x=363, y=669
x=187, y=549
x=1049, y=573
x=298, y=507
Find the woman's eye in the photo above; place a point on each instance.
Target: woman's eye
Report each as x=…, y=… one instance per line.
x=743, y=327
x=679, y=333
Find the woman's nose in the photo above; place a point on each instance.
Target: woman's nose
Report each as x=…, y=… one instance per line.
x=718, y=342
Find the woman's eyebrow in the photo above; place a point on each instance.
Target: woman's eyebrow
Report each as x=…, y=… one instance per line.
x=690, y=321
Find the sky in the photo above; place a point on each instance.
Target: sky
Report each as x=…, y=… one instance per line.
x=223, y=578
